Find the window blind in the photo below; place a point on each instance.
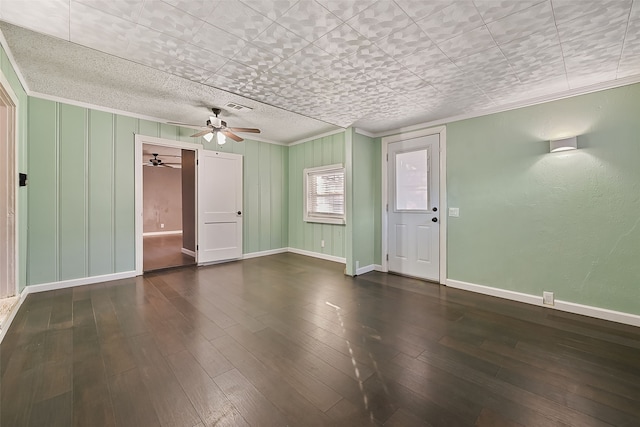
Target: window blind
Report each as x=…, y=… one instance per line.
x=325, y=193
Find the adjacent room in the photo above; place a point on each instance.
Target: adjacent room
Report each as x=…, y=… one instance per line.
x=318, y=212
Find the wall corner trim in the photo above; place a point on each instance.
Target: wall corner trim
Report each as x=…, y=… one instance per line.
x=569, y=307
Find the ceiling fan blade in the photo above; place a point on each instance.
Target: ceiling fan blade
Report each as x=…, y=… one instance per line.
x=199, y=134
x=231, y=135
x=247, y=130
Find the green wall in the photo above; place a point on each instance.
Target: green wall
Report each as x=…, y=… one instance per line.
x=81, y=197
x=22, y=198
x=531, y=220
x=366, y=183
x=306, y=235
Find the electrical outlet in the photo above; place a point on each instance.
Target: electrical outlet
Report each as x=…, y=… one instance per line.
x=454, y=212
x=322, y=243
x=161, y=225
x=547, y=298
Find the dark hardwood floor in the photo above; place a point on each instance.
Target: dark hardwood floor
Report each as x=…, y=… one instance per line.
x=287, y=340
x=164, y=251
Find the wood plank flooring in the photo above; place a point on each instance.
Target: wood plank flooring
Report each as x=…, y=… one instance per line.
x=164, y=251
x=288, y=340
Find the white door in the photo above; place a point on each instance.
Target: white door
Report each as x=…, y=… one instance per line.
x=414, y=227
x=219, y=206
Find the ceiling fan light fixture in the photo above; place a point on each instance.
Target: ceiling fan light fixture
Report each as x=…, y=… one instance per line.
x=215, y=121
x=221, y=138
x=208, y=136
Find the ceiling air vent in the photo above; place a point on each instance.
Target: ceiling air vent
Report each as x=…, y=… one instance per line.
x=232, y=106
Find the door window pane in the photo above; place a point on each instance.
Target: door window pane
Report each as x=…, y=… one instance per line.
x=412, y=181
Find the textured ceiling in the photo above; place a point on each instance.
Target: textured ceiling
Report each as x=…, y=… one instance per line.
x=377, y=65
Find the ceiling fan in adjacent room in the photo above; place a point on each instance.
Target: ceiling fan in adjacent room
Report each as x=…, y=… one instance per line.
x=155, y=161
x=218, y=128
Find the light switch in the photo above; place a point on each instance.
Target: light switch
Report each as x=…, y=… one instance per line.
x=454, y=212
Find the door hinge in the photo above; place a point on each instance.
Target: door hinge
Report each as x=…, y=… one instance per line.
x=387, y=257
x=197, y=247
x=387, y=207
x=387, y=157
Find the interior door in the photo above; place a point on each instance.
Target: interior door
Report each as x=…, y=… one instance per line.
x=414, y=227
x=219, y=206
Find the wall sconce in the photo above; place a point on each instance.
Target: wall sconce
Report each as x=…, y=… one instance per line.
x=563, y=144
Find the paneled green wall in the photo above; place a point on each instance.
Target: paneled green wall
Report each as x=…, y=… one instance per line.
x=366, y=178
x=82, y=202
x=305, y=235
x=531, y=220
x=22, y=198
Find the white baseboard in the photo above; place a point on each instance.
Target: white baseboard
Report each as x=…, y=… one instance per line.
x=161, y=233
x=264, y=253
x=7, y=323
x=188, y=252
x=365, y=269
x=569, y=307
x=378, y=267
x=318, y=255
x=52, y=286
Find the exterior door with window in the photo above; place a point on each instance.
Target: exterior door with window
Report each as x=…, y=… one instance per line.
x=219, y=206
x=414, y=228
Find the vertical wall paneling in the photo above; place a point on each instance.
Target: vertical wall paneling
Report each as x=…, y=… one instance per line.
x=124, y=193
x=308, y=236
x=265, y=196
x=377, y=183
x=72, y=188
x=100, y=191
x=277, y=207
x=169, y=132
x=284, y=191
x=365, y=180
x=149, y=128
x=349, y=206
x=81, y=221
x=338, y=156
x=42, y=244
x=251, y=212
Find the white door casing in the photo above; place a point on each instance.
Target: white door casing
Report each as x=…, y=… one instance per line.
x=414, y=207
x=140, y=140
x=8, y=193
x=219, y=206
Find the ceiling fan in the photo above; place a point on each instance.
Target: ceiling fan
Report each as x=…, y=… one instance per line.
x=155, y=161
x=218, y=127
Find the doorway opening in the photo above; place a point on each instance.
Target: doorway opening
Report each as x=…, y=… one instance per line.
x=168, y=207
x=8, y=200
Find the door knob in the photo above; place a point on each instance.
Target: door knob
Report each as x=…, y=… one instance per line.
x=434, y=219
x=239, y=213
x=435, y=209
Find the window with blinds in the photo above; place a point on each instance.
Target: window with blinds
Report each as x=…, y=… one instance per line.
x=324, y=194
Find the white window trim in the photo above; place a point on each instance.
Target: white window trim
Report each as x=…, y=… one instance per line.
x=320, y=218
